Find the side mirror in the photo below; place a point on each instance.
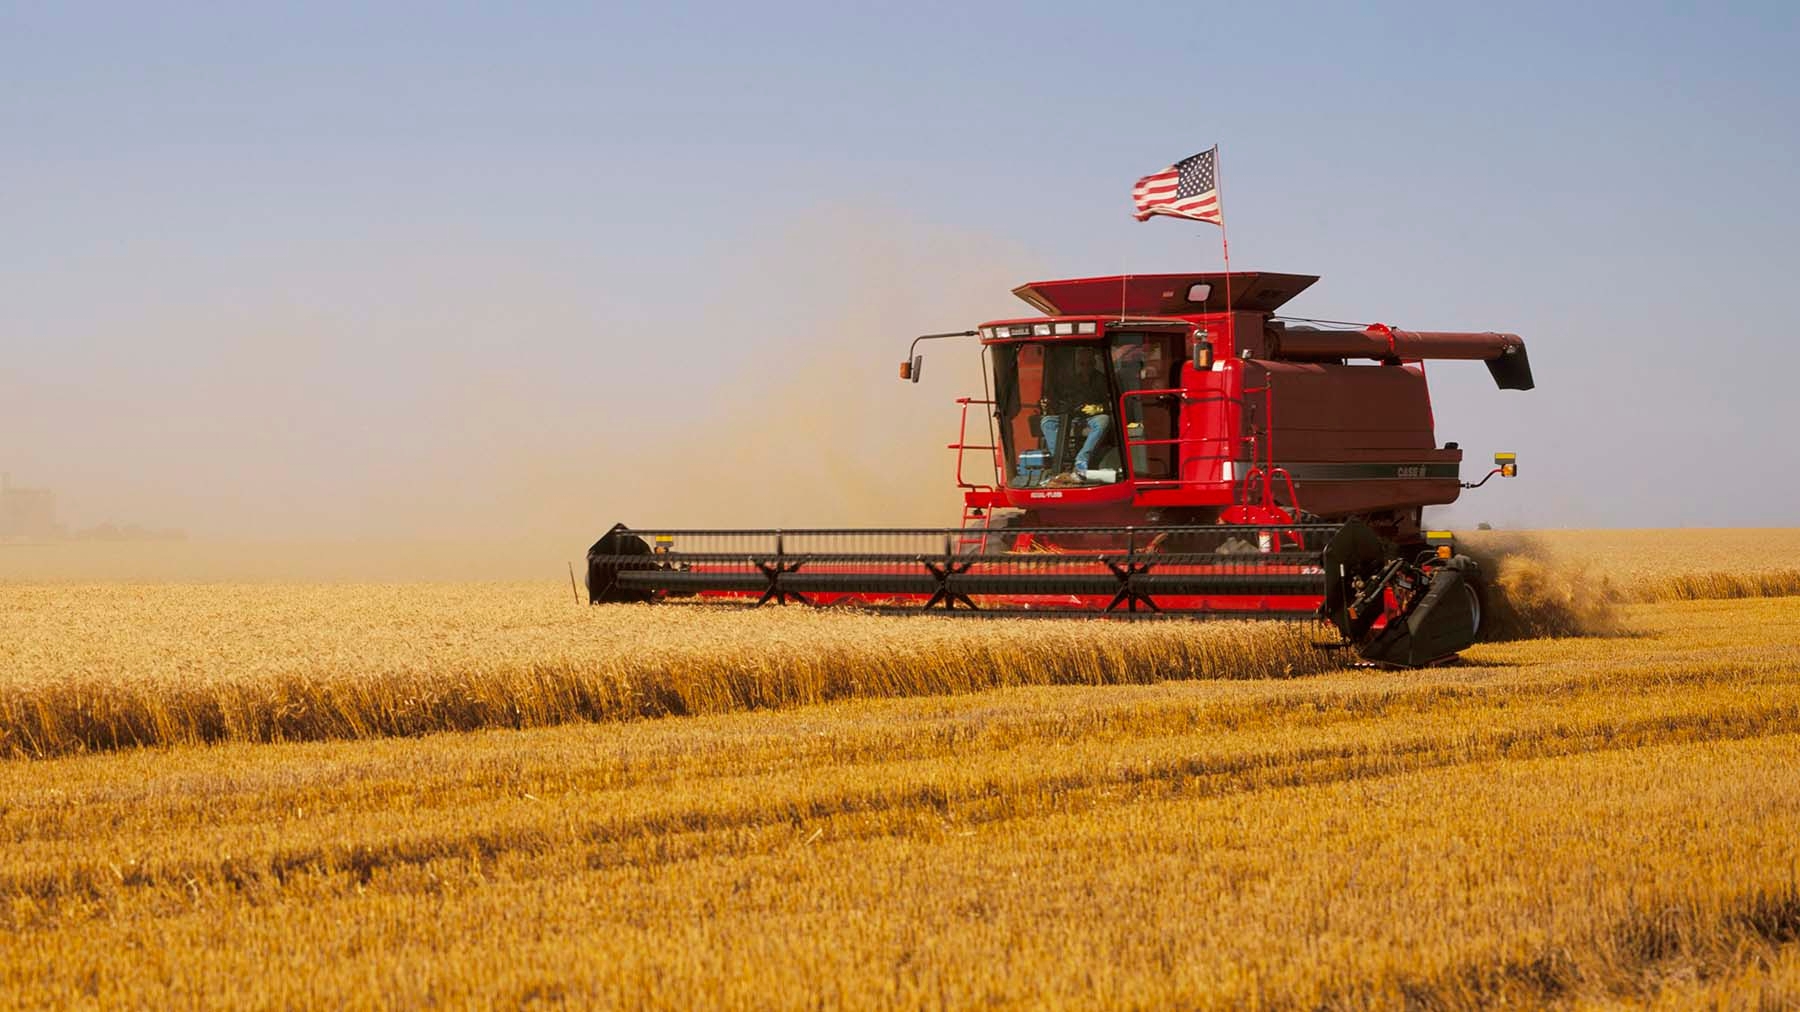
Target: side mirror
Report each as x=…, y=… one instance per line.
x=913, y=366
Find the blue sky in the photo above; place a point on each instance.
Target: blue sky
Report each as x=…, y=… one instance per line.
x=324, y=267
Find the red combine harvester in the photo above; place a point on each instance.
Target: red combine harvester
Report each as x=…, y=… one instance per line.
x=1155, y=444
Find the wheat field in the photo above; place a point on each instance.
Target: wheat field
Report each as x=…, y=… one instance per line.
x=269, y=795
x=104, y=667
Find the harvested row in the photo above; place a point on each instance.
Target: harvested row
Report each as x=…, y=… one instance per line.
x=726, y=791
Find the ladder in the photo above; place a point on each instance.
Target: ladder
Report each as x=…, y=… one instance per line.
x=976, y=524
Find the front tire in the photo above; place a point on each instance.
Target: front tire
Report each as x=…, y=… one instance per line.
x=1477, y=595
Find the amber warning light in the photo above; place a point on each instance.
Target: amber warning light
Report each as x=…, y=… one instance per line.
x=1506, y=465
x=1200, y=349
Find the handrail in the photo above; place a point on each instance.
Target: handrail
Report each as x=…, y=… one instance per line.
x=1263, y=469
x=962, y=446
x=1180, y=441
x=1268, y=475
x=1261, y=455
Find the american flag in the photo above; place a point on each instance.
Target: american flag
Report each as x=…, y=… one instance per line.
x=1187, y=189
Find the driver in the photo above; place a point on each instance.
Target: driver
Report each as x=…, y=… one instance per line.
x=1077, y=390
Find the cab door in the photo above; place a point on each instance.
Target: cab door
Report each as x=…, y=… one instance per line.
x=1146, y=367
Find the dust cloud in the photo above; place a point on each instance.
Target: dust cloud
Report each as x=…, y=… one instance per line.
x=1532, y=592
x=477, y=420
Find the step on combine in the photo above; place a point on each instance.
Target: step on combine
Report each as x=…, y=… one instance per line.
x=1154, y=445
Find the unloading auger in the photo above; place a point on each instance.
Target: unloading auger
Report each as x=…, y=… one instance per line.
x=1154, y=453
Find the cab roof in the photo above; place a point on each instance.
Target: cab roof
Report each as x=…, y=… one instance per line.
x=1164, y=294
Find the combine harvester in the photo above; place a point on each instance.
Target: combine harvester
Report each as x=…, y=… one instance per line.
x=1154, y=444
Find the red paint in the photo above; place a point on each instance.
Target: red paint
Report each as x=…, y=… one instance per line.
x=1317, y=423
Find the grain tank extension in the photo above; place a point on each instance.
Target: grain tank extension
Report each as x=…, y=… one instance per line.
x=1154, y=444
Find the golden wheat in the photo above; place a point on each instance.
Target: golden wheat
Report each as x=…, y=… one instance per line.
x=1645, y=565
x=894, y=812
x=107, y=666
x=1718, y=586
x=103, y=667
x=1597, y=821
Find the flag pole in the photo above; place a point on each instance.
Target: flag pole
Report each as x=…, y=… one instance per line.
x=1231, y=321
x=1224, y=243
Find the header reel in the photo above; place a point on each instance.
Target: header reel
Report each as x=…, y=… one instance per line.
x=1393, y=611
